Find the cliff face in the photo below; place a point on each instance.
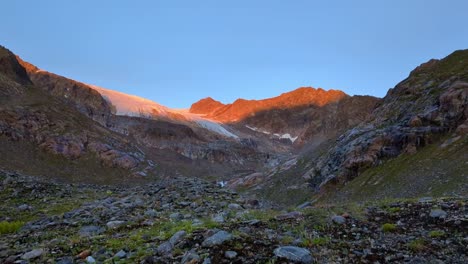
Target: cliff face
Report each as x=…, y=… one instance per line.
x=46, y=132
x=430, y=104
x=81, y=96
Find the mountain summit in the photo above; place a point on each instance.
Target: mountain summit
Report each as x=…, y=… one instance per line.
x=241, y=108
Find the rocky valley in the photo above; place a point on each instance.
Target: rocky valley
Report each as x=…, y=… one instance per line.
x=92, y=175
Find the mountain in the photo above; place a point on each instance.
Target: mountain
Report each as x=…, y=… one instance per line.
x=308, y=176
x=298, y=116
x=301, y=143
x=55, y=139
x=413, y=144
x=242, y=108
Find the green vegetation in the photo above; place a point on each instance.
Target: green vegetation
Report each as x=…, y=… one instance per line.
x=436, y=233
x=52, y=206
x=393, y=209
x=10, y=227
x=417, y=245
x=262, y=215
x=410, y=176
x=389, y=227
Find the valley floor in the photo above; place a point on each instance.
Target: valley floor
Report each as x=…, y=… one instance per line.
x=191, y=221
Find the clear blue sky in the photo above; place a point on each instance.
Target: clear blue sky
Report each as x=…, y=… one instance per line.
x=176, y=52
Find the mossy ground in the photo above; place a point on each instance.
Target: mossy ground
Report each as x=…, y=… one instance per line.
x=432, y=171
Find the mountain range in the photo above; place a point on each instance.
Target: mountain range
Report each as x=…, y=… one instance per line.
x=307, y=139
x=93, y=175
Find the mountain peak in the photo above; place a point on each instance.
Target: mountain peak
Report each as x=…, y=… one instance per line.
x=241, y=108
x=205, y=106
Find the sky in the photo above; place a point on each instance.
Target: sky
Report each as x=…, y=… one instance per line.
x=177, y=52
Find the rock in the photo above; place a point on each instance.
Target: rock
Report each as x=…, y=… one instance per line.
x=190, y=257
x=176, y=216
x=32, y=254
x=65, y=260
x=126, y=162
x=425, y=199
x=90, y=259
x=217, y=239
x=115, y=224
x=304, y=205
x=230, y=254
x=24, y=207
x=121, y=254
x=415, y=122
x=338, y=219
x=87, y=231
x=165, y=248
x=177, y=237
x=290, y=215
x=295, y=254
x=219, y=218
x=151, y=213
x=234, y=206
x=207, y=261
x=84, y=254
x=438, y=213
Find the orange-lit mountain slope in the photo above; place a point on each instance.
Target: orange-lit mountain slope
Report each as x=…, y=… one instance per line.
x=241, y=108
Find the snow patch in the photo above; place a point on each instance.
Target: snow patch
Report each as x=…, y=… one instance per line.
x=257, y=130
x=131, y=105
x=281, y=136
x=288, y=136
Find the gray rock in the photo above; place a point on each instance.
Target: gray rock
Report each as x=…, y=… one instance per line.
x=176, y=216
x=190, y=257
x=24, y=207
x=90, y=259
x=290, y=215
x=230, y=254
x=151, y=213
x=338, y=219
x=177, y=237
x=425, y=199
x=217, y=239
x=32, y=254
x=295, y=254
x=121, y=254
x=304, y=205
x=219, y=218
x=65, y=260
x=165, y=248
x=438, y=213
x=207, y=261
x=90, y=231
x=115, y=224
x=234, y=206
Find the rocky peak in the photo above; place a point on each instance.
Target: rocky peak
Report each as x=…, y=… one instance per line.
x=80, y=95
x=11, y=68
x=242, y=108
x=205, y=106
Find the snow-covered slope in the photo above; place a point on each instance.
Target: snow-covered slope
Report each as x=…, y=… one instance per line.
x=131, y=105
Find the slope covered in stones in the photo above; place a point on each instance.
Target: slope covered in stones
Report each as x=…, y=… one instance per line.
x=191, y=221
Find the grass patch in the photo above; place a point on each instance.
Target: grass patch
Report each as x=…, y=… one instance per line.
x=417, y=245
x=436, y=233
x=10, y=227
x=387, y=228
x=262, y=215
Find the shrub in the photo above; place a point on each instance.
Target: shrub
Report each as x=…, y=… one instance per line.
x=417, y=245
x=389, y=227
